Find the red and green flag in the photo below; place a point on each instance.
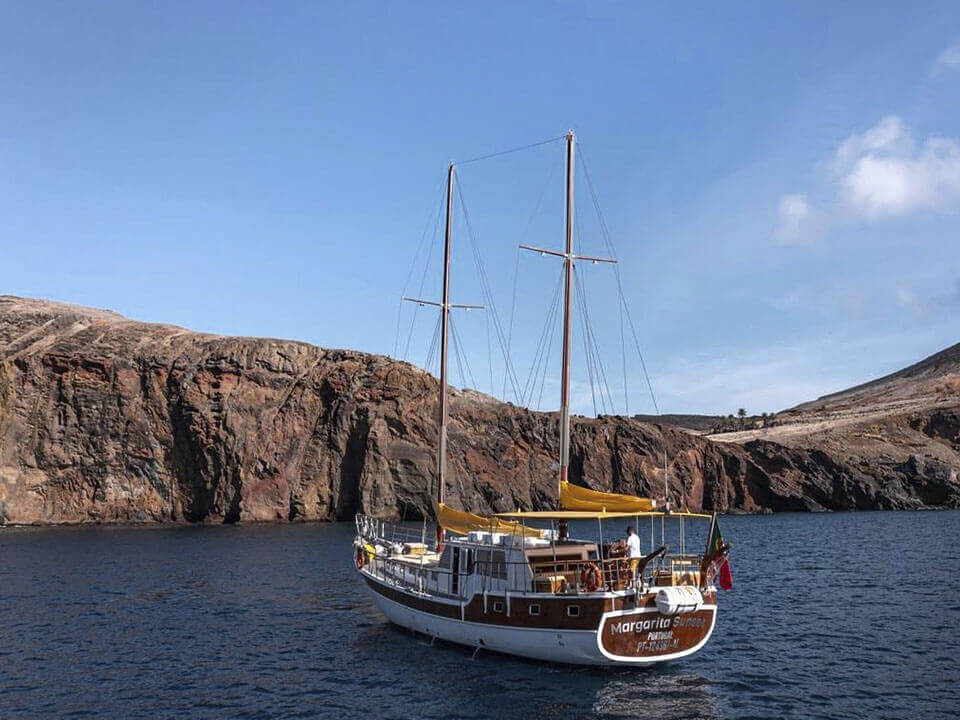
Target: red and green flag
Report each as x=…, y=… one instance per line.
x=714, y=542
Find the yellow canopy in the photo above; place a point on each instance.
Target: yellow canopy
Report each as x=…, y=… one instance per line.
x=594, y=515
x=573, y=497
x=461, y=523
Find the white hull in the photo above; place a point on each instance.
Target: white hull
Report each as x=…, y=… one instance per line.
x=577, y=647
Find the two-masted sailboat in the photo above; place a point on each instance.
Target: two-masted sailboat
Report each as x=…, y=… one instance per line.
x=516, y=582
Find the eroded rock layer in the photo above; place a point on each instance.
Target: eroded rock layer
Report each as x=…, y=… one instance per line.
x=103, y=419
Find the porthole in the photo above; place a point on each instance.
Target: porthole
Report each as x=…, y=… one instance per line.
x=534, y=609
x=498, y=607
x=573, y=611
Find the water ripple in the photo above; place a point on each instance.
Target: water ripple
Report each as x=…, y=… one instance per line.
x=272, y=622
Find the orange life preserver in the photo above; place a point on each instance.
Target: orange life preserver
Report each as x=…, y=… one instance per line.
x=361, y=558
x=590, y=578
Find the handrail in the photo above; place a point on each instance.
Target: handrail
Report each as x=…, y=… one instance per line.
x=659, y=553
x=615, y=573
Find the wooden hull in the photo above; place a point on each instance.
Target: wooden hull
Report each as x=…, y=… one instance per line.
x=608, y=630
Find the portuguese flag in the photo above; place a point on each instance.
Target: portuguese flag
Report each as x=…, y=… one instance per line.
x=714, y=541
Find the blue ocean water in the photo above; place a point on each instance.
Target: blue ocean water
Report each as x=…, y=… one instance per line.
x=831, y=616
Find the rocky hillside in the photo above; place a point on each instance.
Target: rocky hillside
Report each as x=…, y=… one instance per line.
x=932, y=381
x=906, y=424
x=103, y=419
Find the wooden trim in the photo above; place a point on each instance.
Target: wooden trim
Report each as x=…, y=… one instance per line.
x=553, y=610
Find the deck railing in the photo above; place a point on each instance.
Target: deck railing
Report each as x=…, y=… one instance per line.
x=389, y=533
x=543, y=575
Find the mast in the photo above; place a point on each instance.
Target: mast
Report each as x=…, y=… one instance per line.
x=567, y=313
x=568, y=260
x=445, y=306
x=444, y=322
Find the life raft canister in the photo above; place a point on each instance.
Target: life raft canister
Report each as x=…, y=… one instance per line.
x=590, y=577
x=676, y=600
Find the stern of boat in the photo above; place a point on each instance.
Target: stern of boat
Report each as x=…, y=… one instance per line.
x=659, y=628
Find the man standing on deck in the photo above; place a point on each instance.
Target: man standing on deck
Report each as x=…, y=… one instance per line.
x=633, y=551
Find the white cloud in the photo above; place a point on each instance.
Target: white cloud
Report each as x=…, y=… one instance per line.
x=950, y=58
x=884, y=172
x=794, y=212
x=890, y=135
x=913, y=302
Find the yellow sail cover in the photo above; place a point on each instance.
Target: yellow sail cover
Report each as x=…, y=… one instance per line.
x=461, y=523
x=573, y=497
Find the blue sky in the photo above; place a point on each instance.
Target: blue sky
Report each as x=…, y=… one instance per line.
x=781, y=180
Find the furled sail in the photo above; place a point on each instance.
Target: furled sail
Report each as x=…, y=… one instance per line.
x=459, y=522
x=573, y=497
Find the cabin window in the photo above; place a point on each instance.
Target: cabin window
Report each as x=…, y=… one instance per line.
x=498, y=607
x=534, y=609
x=446, y=557
x=492, y=563
x=573, y=611
x=455, y=576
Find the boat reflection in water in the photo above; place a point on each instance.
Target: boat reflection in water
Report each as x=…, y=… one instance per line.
x=662, y=695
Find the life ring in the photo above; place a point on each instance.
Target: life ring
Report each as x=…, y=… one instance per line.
x=361, y=558
x=590, y=578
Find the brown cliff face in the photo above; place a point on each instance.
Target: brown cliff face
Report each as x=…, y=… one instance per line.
x=103, y=419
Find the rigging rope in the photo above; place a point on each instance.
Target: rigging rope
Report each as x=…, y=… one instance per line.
x=516, y=267
x=592, y=346
x=513, y=305
x=602, y=373
x=596, y=361
x=605, y=233
x=458, y=348
x=486, y=317
x=546, y=355
x=487, y=291
x=433, y=346
x=423, y=280
x=511, y=150
x=623, y=360
x=456, y=354
x=586, y=349
x=552, y=309
x=435, y=215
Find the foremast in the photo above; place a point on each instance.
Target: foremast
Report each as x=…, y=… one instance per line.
x=445, y=306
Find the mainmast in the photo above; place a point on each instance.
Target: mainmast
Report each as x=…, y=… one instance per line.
x=444, y=324
x=568, y=261
x=567, y=312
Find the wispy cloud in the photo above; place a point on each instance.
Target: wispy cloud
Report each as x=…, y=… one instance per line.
x=794, y=213
x=881, y=173
x=928, y=302
x=884, y=172
x=949, y=59
x=914, y=303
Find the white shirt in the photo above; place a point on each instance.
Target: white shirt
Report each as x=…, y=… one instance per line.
x=633, y=543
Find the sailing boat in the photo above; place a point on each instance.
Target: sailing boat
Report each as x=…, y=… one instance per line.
x=516, y=582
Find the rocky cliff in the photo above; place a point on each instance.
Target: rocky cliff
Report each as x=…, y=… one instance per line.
x=103, y=419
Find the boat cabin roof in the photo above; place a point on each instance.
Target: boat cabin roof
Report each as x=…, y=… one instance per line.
x=591, y=515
